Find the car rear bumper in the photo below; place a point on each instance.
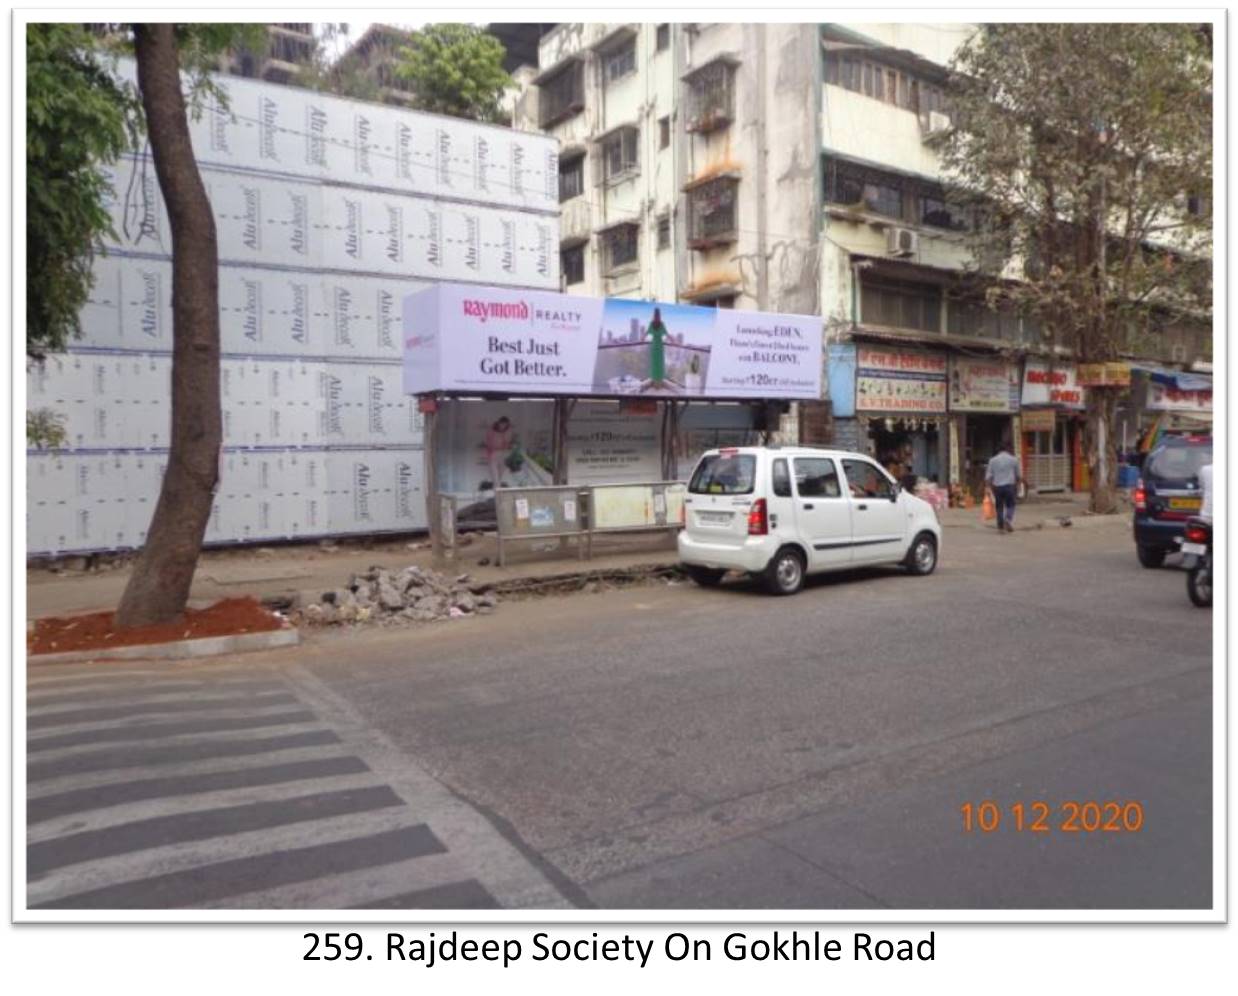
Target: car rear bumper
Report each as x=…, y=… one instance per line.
x=1159, y=534
x=752, y=555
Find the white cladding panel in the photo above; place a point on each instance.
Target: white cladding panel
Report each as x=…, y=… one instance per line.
x=329, y=213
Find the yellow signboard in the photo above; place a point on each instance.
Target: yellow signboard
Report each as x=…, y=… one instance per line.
x=1114, y=374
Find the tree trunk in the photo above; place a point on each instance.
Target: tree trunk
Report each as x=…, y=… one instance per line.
x=159, y=587
x=1100, y=448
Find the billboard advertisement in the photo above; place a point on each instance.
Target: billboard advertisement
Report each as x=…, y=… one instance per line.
x=460, y=338
x=983, y=385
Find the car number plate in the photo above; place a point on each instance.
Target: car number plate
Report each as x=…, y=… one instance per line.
x=1198, y=549
x=1185, y=502
x=714, y=518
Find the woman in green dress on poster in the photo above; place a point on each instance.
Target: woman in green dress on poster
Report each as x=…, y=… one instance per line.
x=657, y=350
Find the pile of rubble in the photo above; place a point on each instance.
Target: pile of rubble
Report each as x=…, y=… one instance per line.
x=413, y=594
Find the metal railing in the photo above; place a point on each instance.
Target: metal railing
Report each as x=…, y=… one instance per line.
x=585, y=511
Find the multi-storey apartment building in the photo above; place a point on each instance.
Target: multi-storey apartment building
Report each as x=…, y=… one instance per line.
x=796, y=168
x=289, y=47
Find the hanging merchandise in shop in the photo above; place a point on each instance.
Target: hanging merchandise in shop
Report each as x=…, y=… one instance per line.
x=1055, y=385
x=983, y=385
x=894, y=380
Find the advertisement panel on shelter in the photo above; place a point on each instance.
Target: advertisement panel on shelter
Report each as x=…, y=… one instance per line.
x=898, y=380
x=461, y=338
x=983, y=385
x=1054, y=385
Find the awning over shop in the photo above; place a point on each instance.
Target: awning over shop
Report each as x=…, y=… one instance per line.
x=1178, y=379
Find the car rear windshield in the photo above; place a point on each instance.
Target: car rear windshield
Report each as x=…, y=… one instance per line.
x=1178, y=463
x=723, y=474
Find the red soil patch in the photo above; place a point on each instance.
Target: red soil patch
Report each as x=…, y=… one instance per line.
x=230, y=617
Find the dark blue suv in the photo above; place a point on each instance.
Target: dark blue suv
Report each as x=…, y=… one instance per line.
x=1168, y=494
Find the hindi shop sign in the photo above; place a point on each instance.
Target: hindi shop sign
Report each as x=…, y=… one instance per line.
x=895, y=380
x=1164, y=398
x=463, y=338
x=1045, y=385
x=983, y=385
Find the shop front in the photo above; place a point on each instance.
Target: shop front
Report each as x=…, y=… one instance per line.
x=1051, y=426
x=984, y=400
x=1168, y=402
x=901, y=405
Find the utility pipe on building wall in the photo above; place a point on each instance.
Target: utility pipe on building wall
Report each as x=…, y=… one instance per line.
x=762, y=170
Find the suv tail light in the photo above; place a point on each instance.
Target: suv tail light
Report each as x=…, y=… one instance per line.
x=1141, y=496
x=758, y=519
x=1196, y=533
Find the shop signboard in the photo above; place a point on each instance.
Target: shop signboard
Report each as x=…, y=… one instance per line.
x=1167, y=398
x=1055, y=385
x=464, y=338
x=1115, y=374
x=897, y=380
x=983, y=385
x=1039, y=419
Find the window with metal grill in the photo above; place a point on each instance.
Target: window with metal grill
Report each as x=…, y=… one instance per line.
x=620, y=155
x=571, y=178
x=898, y=304
x=563, y=95
x=572, y=262
x=711, y=96
x=712, y=212
x=620, y=246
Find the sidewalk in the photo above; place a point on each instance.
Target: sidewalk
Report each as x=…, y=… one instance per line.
x=279, y=572
x=1039, y=512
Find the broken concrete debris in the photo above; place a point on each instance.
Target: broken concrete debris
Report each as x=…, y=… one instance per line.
x=413, y=594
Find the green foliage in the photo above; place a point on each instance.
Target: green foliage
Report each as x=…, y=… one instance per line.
x=45, y=429
x=456, y=69
x=1078, y=145
x=79, y=116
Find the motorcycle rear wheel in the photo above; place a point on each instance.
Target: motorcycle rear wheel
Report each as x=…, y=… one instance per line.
x=1199, y=585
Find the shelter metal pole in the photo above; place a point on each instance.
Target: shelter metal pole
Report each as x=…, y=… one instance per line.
x=430, y=452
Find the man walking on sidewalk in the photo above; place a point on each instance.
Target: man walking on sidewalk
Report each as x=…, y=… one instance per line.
x=1002, y=476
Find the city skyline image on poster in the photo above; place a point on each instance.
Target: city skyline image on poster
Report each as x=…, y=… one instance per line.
x=654, y=349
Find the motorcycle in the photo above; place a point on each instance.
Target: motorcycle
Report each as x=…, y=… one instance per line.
x=1197, y=544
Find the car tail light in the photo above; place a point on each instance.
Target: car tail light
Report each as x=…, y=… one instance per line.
x=1141, y=496
x=758, y=519
x=1196, y=533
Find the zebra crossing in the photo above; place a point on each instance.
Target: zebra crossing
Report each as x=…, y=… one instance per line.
x=233, y=786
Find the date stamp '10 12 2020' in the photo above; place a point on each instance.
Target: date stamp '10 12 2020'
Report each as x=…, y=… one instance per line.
x=1039, y=816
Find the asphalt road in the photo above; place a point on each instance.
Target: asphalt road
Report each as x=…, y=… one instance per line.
x=676, y=747
x=671, y=747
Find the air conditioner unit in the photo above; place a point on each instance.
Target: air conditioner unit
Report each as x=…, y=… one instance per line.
x=902, y=242
x=933, y=125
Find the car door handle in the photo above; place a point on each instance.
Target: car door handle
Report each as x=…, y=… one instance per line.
x=861, y=508
x=809, y=505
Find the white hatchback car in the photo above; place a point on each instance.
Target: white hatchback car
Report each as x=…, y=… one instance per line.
x=782, y=513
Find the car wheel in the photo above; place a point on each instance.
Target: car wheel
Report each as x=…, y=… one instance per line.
x=1150, y=556
x=706, y=577
x=785, y=573
x=922, y=557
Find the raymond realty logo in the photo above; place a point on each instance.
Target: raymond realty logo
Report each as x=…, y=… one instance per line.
x=510, y=311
